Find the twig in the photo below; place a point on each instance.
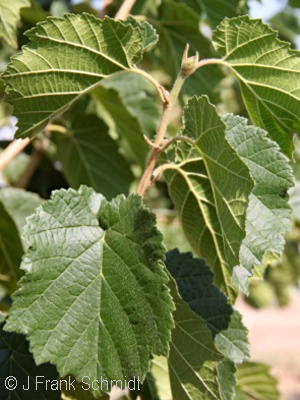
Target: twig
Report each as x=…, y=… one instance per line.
x=167, y=142
x=12, y=150
x=159, y=140
x=125, y=8
x=188, y=66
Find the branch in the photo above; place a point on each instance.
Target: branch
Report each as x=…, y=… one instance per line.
x=12, y=150
x=125, y=9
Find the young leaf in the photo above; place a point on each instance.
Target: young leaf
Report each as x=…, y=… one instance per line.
x=90, y=156
x=273, y=177
x=149, y=35
x=193, y=358
x=94, y=301
x=17, y=362
x=210, y=189
x=11, y=251
x=255, y=382
x=9, y=18
x=65, y=58
x=268, y=72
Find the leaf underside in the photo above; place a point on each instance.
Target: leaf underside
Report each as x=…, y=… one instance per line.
x=268, y=72
x=94, y=300
x=210, y=187
x=65, y=58
x=273, y=176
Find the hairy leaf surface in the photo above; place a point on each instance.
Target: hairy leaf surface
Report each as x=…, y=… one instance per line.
x=94, y=301
x=268, y=72
x=9, y=18
x=65, y=58
x=194, y=281
x=193, y=358
x=90, y=156
x=273, y=177
x=16, y=361
x=210, y=189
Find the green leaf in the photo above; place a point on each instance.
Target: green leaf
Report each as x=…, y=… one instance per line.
x=157, y=383
x=268, y=72
x=138, y=97
x=294, y=3
x=65, y=58
x=95, y=275
x=217, y=10
x=256, y=383
x=194, y=281
x=11, y=251
x=273, y=177
x=287, y=23
x=16, y=361
x=210, y=189
x=193, y=358
x=19, y=204
x=226, y=379
x=111, y=108
x=233, y=341
x=126, y=103
x=177, y=25
x=149, y=35
x=9, y=18
x=90, y=156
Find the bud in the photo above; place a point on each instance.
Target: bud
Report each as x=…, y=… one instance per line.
x=189, y=64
